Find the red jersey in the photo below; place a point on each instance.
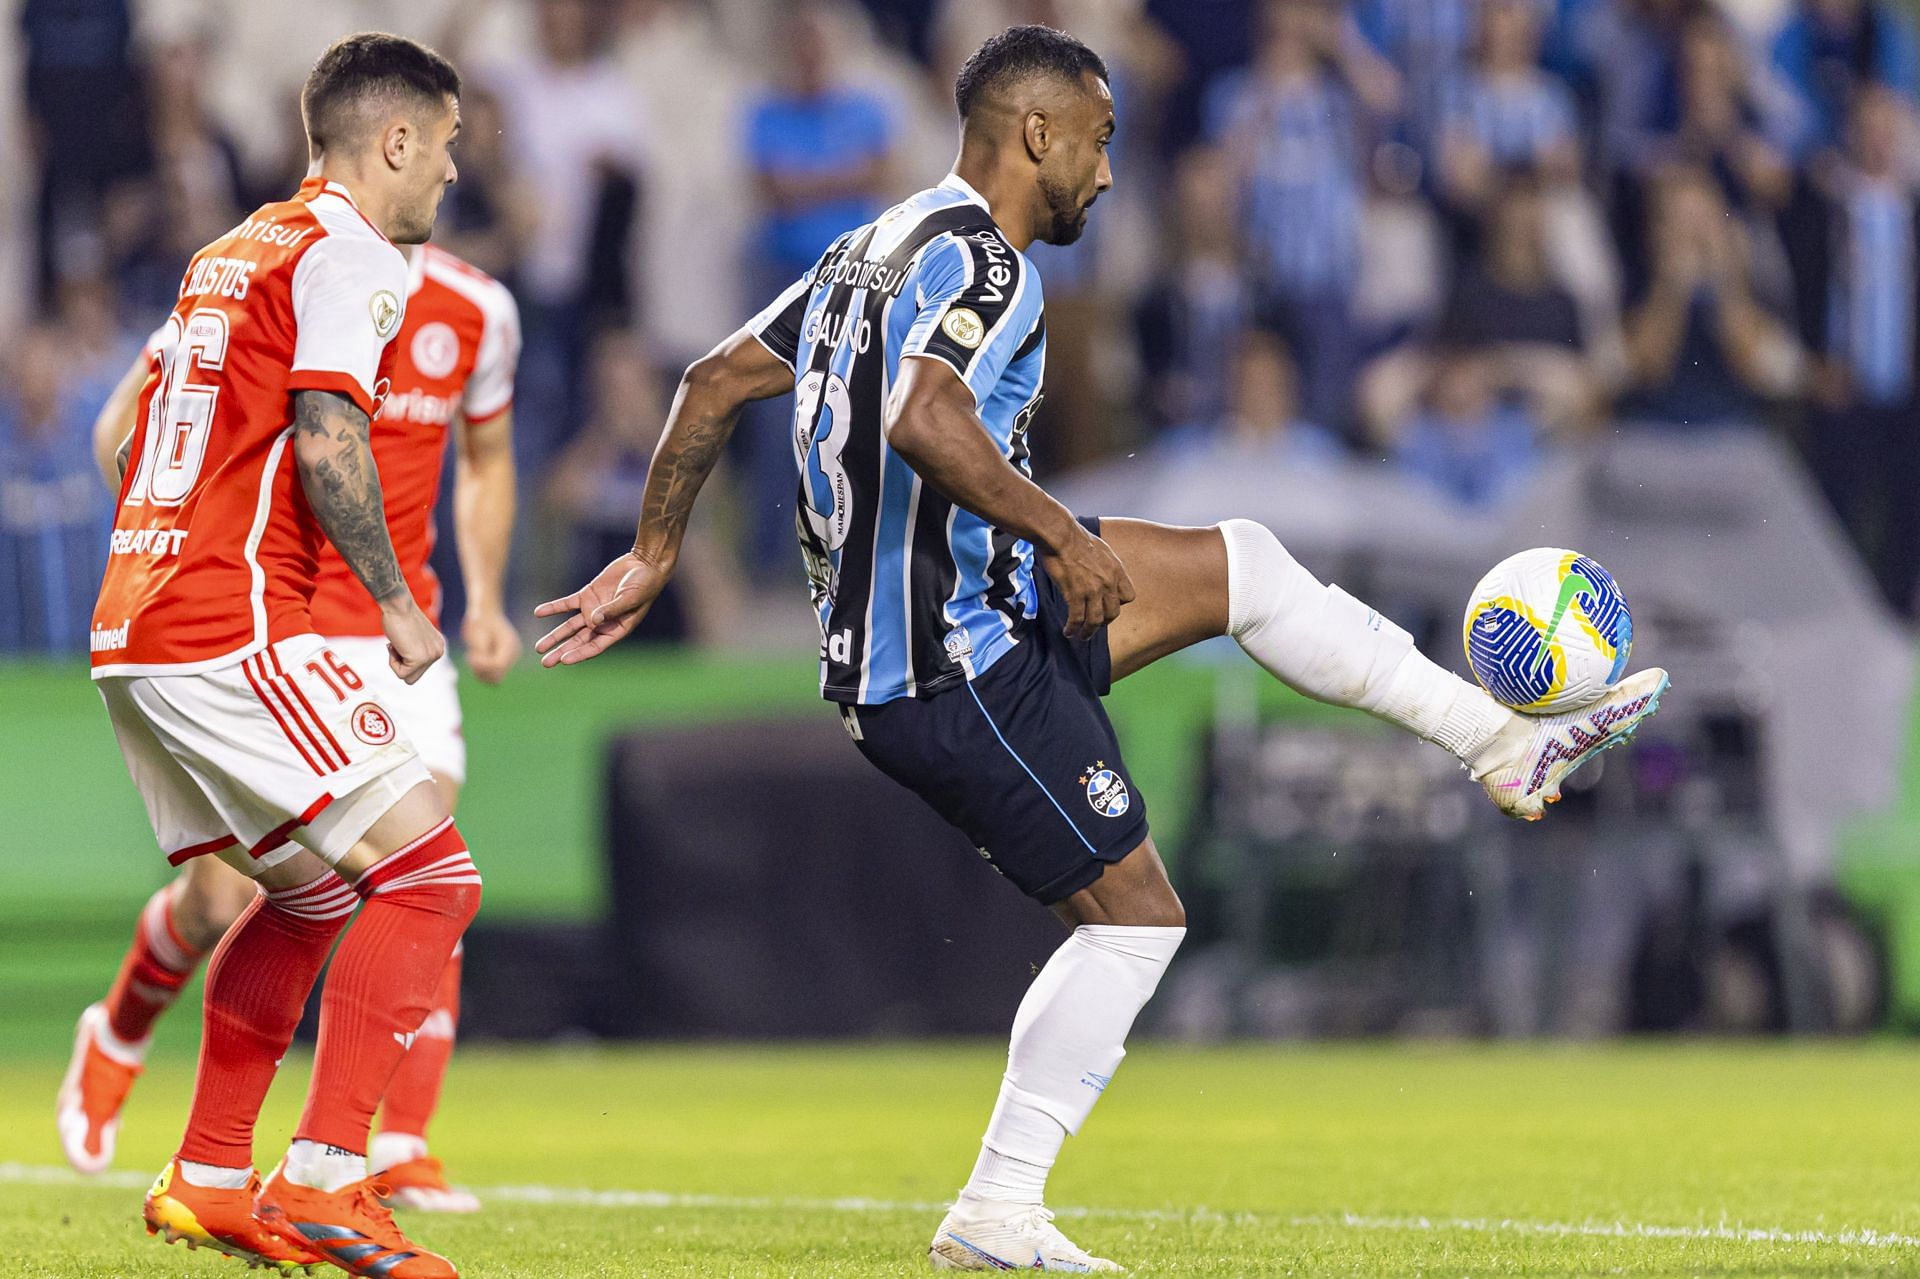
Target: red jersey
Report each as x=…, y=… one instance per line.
x=455, y=354
x=214, y=547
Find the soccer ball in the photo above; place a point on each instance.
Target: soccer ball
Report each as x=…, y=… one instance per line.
x=1547, y=630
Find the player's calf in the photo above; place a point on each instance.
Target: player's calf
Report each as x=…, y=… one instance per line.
x=419, y=899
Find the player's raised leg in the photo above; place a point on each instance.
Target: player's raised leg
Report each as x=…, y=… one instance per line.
x=1237, y=579
x=179, y=924
x=1068, y=1038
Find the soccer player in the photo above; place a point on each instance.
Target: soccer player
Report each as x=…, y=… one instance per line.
x=249, y=737
x=454, y=358
x=970, y=624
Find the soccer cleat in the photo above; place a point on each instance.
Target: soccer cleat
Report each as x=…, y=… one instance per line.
x=350, y=1227
x=989, y=1236
x=1523, y=768
x=95, y=1088
x=421, y=1184
x=208, y=1217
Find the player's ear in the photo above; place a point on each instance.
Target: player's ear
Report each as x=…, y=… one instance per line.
x=398, y=143
x=1038, y=135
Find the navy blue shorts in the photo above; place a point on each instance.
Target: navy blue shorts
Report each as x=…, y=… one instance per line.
x=1022, y=758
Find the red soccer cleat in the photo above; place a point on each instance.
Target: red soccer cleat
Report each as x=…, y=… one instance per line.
x=208, y=1217
x=88, y=1110
x=349, y=1227
x=421, y=1184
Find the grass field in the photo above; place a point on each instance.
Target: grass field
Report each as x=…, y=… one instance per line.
x=1388, y=1160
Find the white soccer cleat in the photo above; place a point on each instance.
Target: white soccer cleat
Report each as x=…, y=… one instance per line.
x=1523, y=768
x=990, y=1236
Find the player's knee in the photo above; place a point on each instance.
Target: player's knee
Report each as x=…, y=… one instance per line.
x=1159, y=909
x=434, y=872
x=207, y=901
x=1263, y=578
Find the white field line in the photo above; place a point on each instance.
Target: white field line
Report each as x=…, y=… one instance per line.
x=566, y=1196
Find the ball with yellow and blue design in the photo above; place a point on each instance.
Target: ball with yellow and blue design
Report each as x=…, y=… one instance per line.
x=1547, y=630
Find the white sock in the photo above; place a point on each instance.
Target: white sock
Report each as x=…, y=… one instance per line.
x=1320, y=641
x=323, y=1167
x=1068, y=1038
x=128, y=1052
x=392, y=1148
x=213, y=1176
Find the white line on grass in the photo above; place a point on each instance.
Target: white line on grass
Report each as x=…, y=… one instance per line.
x=568, y=1196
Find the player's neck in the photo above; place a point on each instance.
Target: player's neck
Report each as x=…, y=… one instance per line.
x=1009, y=197
x=365, y=195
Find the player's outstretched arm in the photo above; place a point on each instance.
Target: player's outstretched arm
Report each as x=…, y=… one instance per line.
x=935, y=427
x=332, y=445
x=113, y=428
x=705, y=410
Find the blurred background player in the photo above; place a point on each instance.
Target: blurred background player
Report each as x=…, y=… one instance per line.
x=247, y=735
x=970, y=625
x=453, y=362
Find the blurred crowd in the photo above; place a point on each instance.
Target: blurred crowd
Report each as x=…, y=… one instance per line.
x=1454, y=236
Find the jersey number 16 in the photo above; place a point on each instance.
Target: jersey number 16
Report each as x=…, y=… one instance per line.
x=180, y=418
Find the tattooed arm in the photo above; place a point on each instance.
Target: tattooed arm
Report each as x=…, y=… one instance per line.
x=705, y=410
x=331, y=443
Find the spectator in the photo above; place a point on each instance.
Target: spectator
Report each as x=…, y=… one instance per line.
x=1829, y=49
x=53, y=512
x=1468, y=439
x=1404, y=262
x=1722, y=125
x=1629, y=51
x=595, y=487
x=819, y=152
x=578, y=141
x=1509, y=304
x=1259, y=421
x=84, y=123
x=196, y=188
x=1291, y=126
x=1189, y=320
x=1701, y=350
x=490, y=215
x=1505, y=112
x=1860, y=313
x=190, y=149
x=1427, y=43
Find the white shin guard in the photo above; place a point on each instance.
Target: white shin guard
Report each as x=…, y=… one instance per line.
x=1321, y=642
x=1068, y=1038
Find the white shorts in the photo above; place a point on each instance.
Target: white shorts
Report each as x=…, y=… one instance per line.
x=428, y=709
x=293, y=739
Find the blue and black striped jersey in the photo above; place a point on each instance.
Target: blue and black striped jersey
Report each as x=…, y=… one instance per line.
x=913, y=593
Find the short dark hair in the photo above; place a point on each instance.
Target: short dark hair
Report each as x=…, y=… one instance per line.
x=1017, y=54
x=369, y=65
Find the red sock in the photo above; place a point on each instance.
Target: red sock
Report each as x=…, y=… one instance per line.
x=257, y=986
x=418, y=902
x=157, y=965
x=415, y=1089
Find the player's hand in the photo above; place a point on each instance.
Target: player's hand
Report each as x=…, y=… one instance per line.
x=604, y=611
x=413, y=642
x=493, y=646
x=1093, y=580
